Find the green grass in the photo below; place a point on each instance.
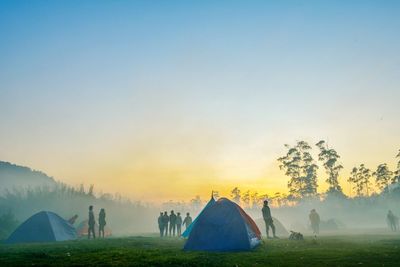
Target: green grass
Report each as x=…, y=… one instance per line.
x=360, y=250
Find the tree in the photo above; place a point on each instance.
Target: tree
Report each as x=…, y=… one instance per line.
x=330, y=157
x=235, y=194
x=299, y=165
x=246, y=199
x=360, y=177
x=396, y=177
x=255, y=200
x=383, y=176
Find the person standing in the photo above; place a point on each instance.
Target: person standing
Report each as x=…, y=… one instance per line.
x=172, y=223
x=161, y=224
x=165, y=223
x=187, y=221
x=315, y=221
x=91, y=223
x=102, y=222
x=178, y=224
x=269, y=222
x=392, y=221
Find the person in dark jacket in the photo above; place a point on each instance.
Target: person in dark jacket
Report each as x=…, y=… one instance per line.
x=165, y=223
x=102, y=222
x=187, y=221
x=178, y=224
x=269, y=222
x=161, y=224
x=91, y=223
x=172, y=223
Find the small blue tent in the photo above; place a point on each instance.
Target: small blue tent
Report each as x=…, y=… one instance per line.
x=223, y=226
x=44, y=226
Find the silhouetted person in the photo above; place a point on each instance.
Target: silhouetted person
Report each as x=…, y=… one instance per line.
x=102, y=222
x=392, y=221
x=314, y=220
x=178, y=224
x=72, y=220
x=172, y=223
x=269, y=222
x=187, y=221
x=165, y=223
x=161, y=224
x=91, y=223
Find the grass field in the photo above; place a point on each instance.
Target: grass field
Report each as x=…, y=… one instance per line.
x=358, y=250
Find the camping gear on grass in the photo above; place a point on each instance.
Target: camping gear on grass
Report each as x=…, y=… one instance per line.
x=44, y=226
x=223, y=226
x=295, y=236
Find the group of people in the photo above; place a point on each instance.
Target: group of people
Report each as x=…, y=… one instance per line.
x=169, y=224
x=175, y=222
x=92, y=223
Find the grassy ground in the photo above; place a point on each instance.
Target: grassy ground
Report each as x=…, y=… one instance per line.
x=373, y=250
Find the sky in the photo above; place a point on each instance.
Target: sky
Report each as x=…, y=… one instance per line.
x=165, y=100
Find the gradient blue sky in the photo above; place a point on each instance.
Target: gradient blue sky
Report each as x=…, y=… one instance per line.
x=168, y=99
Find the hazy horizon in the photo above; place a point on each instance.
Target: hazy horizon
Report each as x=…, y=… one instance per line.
x=168, y=100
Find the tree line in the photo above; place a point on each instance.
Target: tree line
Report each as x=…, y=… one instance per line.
x=301, y=168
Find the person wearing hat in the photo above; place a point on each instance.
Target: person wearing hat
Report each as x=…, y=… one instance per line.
x=269, y=222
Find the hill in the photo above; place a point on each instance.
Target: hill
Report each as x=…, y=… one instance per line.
x=14, y=176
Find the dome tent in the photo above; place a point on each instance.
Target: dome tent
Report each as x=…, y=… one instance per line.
x=223, y=226
x=44, y=226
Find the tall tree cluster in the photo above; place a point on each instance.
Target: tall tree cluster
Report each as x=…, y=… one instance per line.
x=360, y=178
x=383, y=176
x=300, y=166
x=329, y=158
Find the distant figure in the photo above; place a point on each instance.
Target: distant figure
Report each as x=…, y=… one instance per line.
x=172, y=223
x=72, y=220
x=102, y=222
x=392, y=221
x=187, y=221
x=314, y=220
x=266, y=212
x=161, y=224
x=178, y=224
x=91, y=223
x=165, y=223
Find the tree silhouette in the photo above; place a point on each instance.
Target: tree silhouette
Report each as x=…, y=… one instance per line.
x=330, y=157
x=383, y=176
x=235, y=194
x=360, y=177
x=246, y=199
x=396, y=177
x=299, y=165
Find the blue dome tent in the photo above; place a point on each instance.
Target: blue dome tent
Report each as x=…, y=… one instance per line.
x=223, y=226
x=44, y=226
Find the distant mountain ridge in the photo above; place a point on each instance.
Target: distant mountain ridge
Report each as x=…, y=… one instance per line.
x=15, y=176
